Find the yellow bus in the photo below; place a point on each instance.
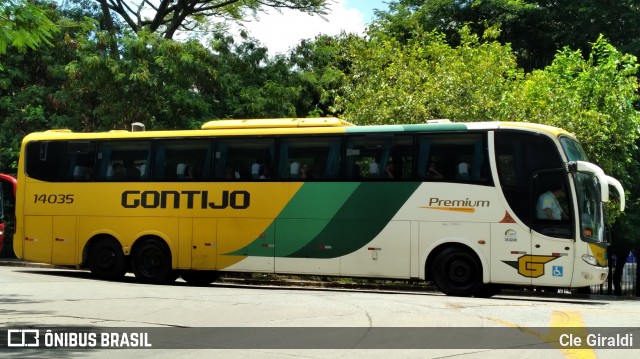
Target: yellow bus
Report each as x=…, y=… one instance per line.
x=461, y=204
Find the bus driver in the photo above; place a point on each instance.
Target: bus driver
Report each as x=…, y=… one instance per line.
x=548, y=206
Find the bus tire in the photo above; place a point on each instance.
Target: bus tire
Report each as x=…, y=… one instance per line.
x=200, y=277
x=457, y=272
x=107, y=260
x=151, y=262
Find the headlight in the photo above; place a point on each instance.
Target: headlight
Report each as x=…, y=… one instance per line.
x=590, y=259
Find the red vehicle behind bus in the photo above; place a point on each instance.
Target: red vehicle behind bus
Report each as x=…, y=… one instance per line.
x=7, y=193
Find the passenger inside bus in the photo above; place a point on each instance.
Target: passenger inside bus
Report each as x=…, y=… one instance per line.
x=263, y=172
x=389, y=170
x=132, y=172
x=432, y=172
x=117, y=171
x=304, y=170
x=189, y=173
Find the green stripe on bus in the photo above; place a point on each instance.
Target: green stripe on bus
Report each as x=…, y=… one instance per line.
x=329, y=220
x=303, y=218
x=360, y=220
x=408, y=128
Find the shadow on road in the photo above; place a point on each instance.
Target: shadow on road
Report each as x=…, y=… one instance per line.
x=301, y=285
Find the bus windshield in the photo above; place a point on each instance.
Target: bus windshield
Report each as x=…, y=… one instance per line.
x=588, y=191
x=573, y=150
x=590, y=207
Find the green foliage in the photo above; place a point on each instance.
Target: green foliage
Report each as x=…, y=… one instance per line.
x=23, y=26
x=425, y=78
x=249, y=83
x=320, y=68
x=391, y=81
x=28, y=92
x=593, y=98
x=155, y=81
x=536, y=30
x=421, y=60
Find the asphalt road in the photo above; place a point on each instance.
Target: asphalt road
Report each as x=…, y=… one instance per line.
x=258, y=321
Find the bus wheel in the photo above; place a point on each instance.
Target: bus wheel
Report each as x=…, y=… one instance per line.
x=457, y=272
x=151, y=262
x=106, y=260
x=200, y=277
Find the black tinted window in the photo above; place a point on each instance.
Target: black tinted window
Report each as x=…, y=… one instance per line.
x=519, y=156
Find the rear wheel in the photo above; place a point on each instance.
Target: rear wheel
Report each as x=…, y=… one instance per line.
x=151, y=262
x=107, y=260
x=457, y=272
x=200, y=277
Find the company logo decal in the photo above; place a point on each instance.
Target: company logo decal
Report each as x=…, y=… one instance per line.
x=186, y=199
x=530, y=266
x=510, y=236
x=456, y=205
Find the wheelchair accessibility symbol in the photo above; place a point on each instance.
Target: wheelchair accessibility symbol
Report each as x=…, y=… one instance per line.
x=557, y=271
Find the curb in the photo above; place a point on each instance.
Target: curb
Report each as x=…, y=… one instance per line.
x=230, y=279
x=11, y=262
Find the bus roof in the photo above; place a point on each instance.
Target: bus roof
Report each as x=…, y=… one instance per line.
x=299, y=126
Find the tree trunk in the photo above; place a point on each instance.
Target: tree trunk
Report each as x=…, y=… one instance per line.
x=108, y=24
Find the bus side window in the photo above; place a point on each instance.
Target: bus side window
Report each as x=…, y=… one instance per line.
x=309, y=158
x=123, y=160
x=454, y=158
x=80, y=159
x=180, y=159
x=244, y=159
x=43, y=160
x=379, y=157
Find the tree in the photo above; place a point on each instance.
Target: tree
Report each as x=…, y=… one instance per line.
x=592, y=97
x=478, y=80
x=23, y=26
x=320, y=67
x=169, y=16
x=29, y=74
x=159, y=82
x=249, y=84
x=536, y=30
x=426, y=78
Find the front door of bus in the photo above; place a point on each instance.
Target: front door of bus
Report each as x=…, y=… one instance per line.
x=551, y=260
x=510, y=246
x=552, y=244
